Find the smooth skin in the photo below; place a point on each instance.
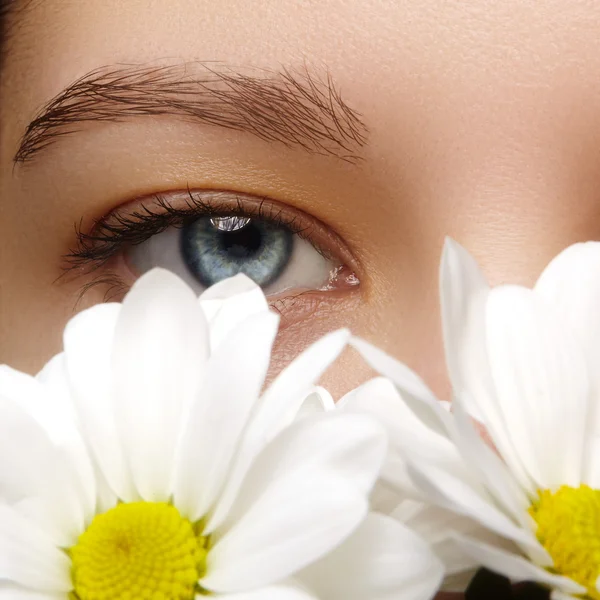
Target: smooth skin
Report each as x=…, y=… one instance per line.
x=483, y=124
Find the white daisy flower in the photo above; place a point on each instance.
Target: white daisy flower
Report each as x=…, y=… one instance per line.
x=524, y=363
x=397, y=497
x=144, y=463
x=390, y=556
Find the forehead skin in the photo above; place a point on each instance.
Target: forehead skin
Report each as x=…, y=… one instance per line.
x=483, y=119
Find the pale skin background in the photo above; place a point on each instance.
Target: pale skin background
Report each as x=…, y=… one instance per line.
x=483, y=119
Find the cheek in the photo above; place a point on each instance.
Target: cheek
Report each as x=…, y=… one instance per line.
x=407, y=326
x=34, y=312
x=331, y=313
x=30, y=331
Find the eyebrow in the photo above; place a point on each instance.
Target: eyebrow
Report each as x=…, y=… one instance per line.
x=296, y=109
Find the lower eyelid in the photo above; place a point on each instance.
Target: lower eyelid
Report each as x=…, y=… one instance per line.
x=296, y=308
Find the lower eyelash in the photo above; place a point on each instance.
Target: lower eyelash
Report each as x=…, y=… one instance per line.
x=115, y=288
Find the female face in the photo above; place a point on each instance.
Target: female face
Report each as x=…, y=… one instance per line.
x=324, y=148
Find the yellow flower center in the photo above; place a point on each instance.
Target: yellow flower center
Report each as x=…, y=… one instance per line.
x=569, y=528
x=139, y=550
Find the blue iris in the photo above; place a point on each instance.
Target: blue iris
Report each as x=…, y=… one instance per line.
x=216, y=248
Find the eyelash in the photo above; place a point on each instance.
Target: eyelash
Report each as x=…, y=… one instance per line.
x=111, y=234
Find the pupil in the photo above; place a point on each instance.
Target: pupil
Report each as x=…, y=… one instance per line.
x=243, y=243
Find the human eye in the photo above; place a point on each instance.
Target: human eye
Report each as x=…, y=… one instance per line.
x=205, y=236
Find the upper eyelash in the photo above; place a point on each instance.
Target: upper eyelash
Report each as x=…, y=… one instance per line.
x=111, y=234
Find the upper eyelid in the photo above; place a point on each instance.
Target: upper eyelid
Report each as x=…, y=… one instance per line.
x=112, y=228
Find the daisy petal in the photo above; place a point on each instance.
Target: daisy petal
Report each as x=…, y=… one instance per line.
x=464, y=296
x=489, y=467
x=10, y=591
x=230, y=302
x=276, y=408
x=287, y=393
x=19, y=431
x=64, y=430
x=437, y=527
x=406, y=379
x=44, y=401
x=380, y=398
x=464, y=292
x=88, y=341
x=353, y=446
x=219, y=415
x=161, y=345
x=381, y=560
x=542, y=386
x=32, y=467
x=516, y=567
x=591, y=470
x=20, y=387
x=28, y=557
x=55, y=412
x=316, y=402
x=456, y=495
x=294, y=522
x=40, y=398
x=571, y=282
x=407, y=433
x=272, y=592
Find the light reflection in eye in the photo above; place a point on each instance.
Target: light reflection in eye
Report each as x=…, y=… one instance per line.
x=229, y=223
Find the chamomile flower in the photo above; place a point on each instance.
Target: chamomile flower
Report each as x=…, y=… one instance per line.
x=525, y=364
x=143, y=462
x=394, y=554
x=396, y=497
